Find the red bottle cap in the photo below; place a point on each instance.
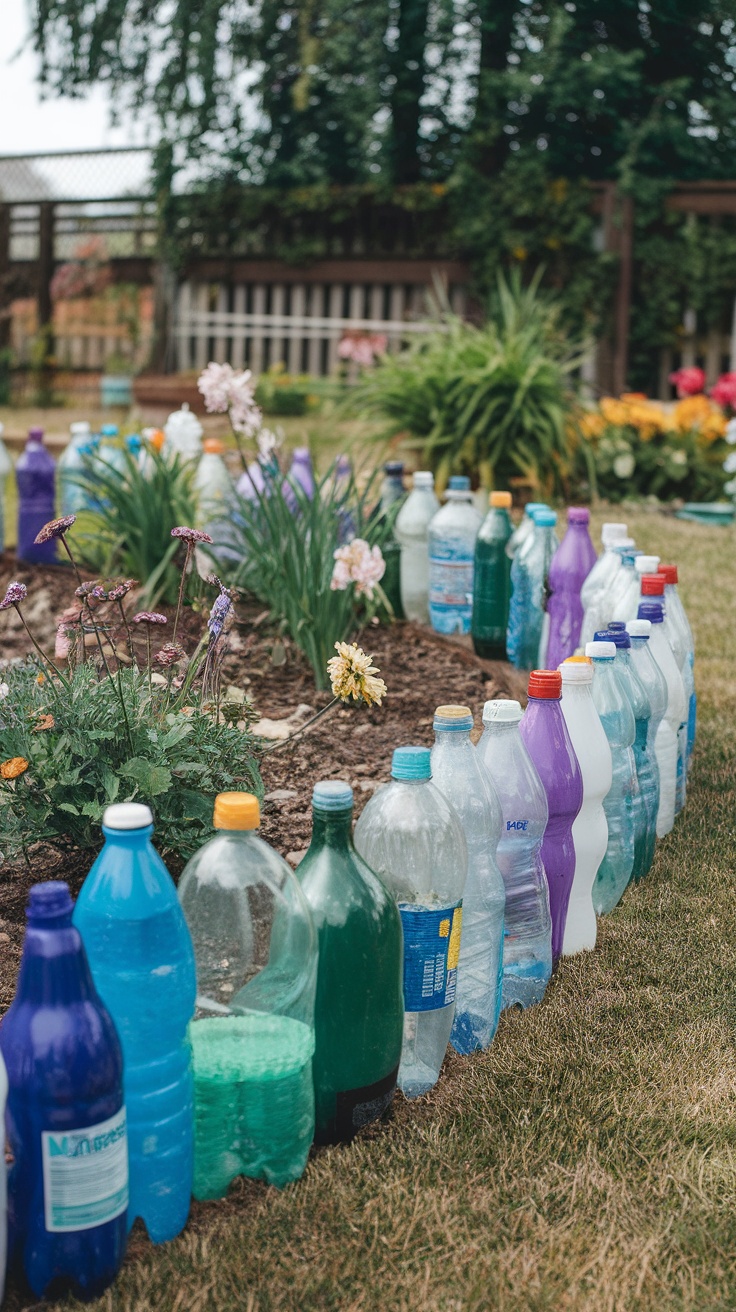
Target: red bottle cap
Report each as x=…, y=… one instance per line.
x=652, y=585
x=545, y=683
x=668, y=572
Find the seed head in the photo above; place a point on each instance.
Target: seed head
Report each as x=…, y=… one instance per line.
x=149, y=617
x=190, y=535
x=56, y=528
x=16, y=593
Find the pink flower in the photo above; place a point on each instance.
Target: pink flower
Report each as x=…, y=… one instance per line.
x=724, y=391
x=359, y=564
x=362, y=348
x=688, y=381
x=224, y=390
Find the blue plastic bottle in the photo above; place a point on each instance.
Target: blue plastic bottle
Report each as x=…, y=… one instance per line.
x=452, y=534
x=646, y=798
x=617, y=719
x=142, y=960
x=526, y=635
x=655, y=685
x=68, y=1183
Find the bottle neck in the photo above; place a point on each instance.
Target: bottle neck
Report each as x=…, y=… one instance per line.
x=332, y=829
x=452, y=740
x=54, y=970
x=128, y=838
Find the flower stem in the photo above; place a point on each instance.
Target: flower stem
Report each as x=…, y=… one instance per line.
x=236, y=435
x=182, y=585
x=47, y=662
x=307, y=723
x=65, y=545
x=131, y=649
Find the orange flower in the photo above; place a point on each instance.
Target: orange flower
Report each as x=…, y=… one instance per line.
x=691, y=411
x=44, y=722
x=592, y=424
x=40, y=678
x=614, y=411
x=11, y=769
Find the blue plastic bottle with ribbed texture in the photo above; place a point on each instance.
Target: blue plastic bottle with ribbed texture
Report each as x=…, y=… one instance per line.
x=459, y=773
x=646, y=800
x=678, y=615
x=142, y=961
x=617, y=719
x=527, y=614
x=65, y=1112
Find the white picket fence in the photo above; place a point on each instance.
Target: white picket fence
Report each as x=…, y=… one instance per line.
x=298, y=324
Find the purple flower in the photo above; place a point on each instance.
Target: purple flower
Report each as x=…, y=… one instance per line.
x=56, y=528
x=85, y=589
x=99, y=593
x=219, y=615
x=170, y=654
x=191, y=535
x=121, y=589
x=149, y=617
x=16, y=593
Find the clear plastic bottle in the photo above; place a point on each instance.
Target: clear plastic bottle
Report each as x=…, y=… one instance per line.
x=6, y=468
x=646, y=797
x=213, y=486
x=524, y=528
x=142, y=962
x=412, y=837
x=253, y=1031
x=597, y=592
x=625, y=584
x=617, y=719
x=590, y=829
x=412, y=533
x=492, y=580
x=528, y=622
x=653, y=585
x=527, y=944
x=678, y=616
x=669, y=740
x=627, y=603
x=459, y=773
x=71, y=463
x=570, y=566
x=601, y=575
x=655, y=684
x=452, y=534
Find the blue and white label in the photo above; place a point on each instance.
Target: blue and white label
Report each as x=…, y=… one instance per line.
x=85, y=1175
x=431, y=952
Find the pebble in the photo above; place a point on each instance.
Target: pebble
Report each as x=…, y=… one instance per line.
x=295, y=857
x=280, y=795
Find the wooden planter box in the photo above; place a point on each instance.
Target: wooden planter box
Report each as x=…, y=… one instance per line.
x=168, y=390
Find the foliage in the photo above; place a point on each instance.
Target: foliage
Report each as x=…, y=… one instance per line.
x=283, y=394
x=175, y=760
x=489, y=400
x=287, y=544
x=630, y=446
x=130, y=532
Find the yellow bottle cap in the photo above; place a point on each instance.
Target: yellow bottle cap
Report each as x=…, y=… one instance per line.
x=236, y=811
x=454, y=712
x=213, y=446
x=500, y=500
x=577, y=660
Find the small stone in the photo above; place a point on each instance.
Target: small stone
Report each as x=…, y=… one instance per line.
x=4, y=938
x=369, y=785
x=295, y=857
x=280, y=795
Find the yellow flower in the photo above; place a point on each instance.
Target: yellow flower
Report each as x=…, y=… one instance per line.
x=614, y=411
x=11, y=769
x=691, y=411
x=352, y=675
x=591, y=424
x=40, y=678
x=519, y=252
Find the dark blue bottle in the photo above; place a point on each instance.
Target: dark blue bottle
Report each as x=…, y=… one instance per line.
x=68, y=1185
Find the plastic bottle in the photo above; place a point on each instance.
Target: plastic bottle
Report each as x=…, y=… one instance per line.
x=253, y=1031
x=301, y=474
x=359, y=1011
x=677, y=614
x=625, y=585
x=142, y=962
x=646, y=796
x=452, y=534
x=669, y=740
x=548, y=743
x=392, y=491
x=590, y=830
x=110, y=451
x=460, y=775
x=392, y=484
x=3, y=1178
x=598, y=604
x=340, y=495
x=412, y=837
x=569, y=568
x=527, y=944
x=617, y=719
x=35, y=474
x=655, y=685
x=66, y=1118
x=654, y=586
x=492, y=580
x=527, y=614
x=182, y=435
x=627, y=603
x=213, y=486
x=412, y=533
x=6, y=468
x=524, y=528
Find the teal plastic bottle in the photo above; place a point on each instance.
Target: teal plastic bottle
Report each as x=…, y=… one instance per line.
x=492, y=580
x=359, y=1009
x=646, y=800
x=617, y=719
x=142, y=962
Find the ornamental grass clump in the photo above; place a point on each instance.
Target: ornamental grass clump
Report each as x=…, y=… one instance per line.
x=132, y=715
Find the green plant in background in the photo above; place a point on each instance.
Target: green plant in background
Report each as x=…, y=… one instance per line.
x=130, y=533
x=489, y=401
x=287, y=544
x=280, y=393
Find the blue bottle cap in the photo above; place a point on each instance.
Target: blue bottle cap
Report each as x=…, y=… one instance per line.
x=109, y=430
x=459, y=483
x=49, y=901
x=600, y=651
x=393, y=467
x=453, y=718
x=411, y=763
x=531, y=506
x=133, y=443
x=616, y=626
x=651, y=610
x=617, y=636
x=545, y=518
x=332, y=795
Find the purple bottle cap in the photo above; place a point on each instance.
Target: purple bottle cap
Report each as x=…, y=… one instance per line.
x=35, y=435
x=651, y=610
x=301, y=454
x=578, y=515
x=617, y=636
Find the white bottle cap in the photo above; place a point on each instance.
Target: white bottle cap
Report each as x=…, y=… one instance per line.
x=646, y=564
x=639, y=628
x=613, y=533
x=600, y=650
x=502, y=711
x=576, y=671
x=423, y=478
x=127, y=815
x=80, y=428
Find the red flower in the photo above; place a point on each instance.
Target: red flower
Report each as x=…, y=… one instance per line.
x=724, y=391
x=688, y=381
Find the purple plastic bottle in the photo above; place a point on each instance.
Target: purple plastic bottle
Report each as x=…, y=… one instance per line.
x=548, y=743
x=35, y=474
x=571, y=565
x=300, y=475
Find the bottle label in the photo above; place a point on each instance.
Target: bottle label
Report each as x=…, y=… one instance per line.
x=450, y=582
x=431, y=951
x=358, y=1107
x=85, y=1174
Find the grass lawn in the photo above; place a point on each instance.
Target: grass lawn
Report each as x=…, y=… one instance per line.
x=588, y=1159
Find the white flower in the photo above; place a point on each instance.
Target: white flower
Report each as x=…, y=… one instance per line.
x=267, y=442
x=731, y=431
x=225, y=390
x=729, y=463
x=359, y=564
x=624, y=465
x=4, y=691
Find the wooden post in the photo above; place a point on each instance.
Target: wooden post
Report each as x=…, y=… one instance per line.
x=43, y=301
x=623, y=294
x=5, y=297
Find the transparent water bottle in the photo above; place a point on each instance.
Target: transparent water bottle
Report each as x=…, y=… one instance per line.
x=656, y=689
x=597, y=592
x=526, y=635
x=590, y=829
x=625, y=584
x=142, y=962
x=452, y=534
x=524, y=528
x=412, y=533
x=646, y=797
x=678, y=616
x=669, y=733
x=627, y=602
x=617, y=719
x=459, y=773
x=70, y=464
x=527, y=944
x=253, y=1031
x=412, y=837
x=602, y=572
x=652, y=588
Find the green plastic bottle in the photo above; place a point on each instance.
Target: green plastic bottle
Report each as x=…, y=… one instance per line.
x=492, y=580
x=359, y=1011
x=392, y=491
